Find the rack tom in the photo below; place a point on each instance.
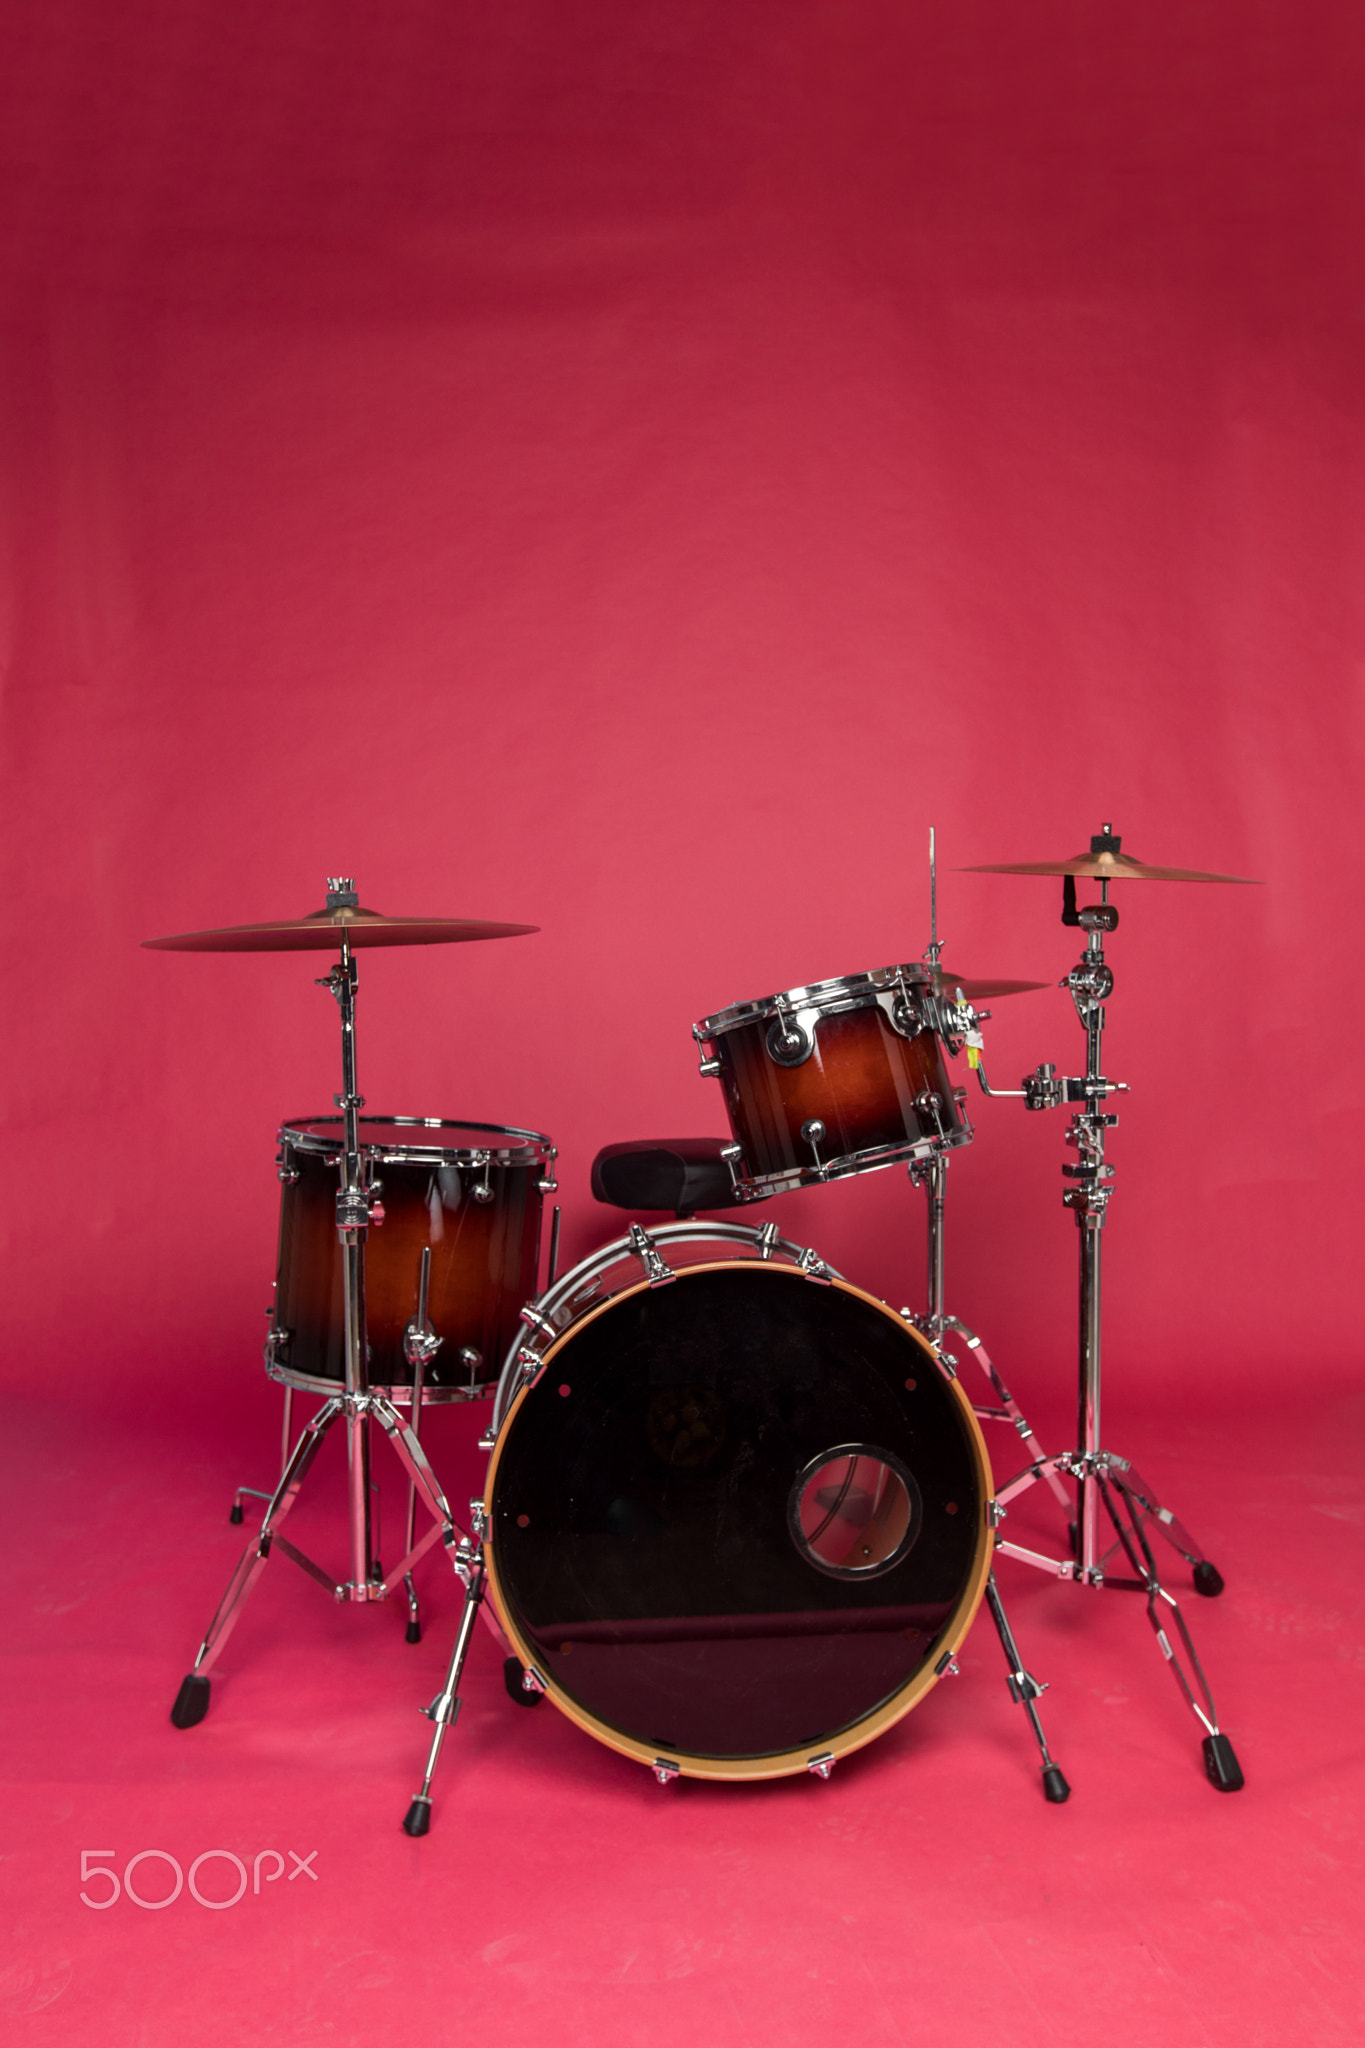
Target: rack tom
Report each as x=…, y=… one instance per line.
x=470, y=1194
x=838, y=1078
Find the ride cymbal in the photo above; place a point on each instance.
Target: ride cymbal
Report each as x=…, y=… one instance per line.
x=321, y=931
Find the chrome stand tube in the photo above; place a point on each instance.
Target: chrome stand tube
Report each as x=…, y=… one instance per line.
x=1106, y=1484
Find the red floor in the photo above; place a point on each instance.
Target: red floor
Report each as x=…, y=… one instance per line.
x=925, y=1895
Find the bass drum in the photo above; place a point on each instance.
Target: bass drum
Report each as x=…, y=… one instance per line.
x=737, y=1514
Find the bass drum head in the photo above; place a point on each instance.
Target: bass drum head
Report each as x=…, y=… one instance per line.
x=738, y=1520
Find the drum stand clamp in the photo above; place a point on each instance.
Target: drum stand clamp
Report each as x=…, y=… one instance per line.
x=1115, y=1509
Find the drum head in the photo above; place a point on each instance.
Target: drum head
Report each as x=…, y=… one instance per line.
x=738, y=1520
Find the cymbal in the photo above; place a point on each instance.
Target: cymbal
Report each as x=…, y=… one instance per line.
x=979, y=990
x=322, y=930
x=1104, y=867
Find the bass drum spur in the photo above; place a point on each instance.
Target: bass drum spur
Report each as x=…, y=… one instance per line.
x=737, y=1517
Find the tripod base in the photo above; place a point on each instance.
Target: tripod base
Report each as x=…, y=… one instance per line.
x=1133, y=1509
x=357, y=1411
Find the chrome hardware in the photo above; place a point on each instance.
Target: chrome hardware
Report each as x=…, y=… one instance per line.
x=287, y=1173
x=789, y=1041
x=709, y=1068
x=928, y=1104
x=276, y=1345
x=821, y=1766
x=547, y=1187
x=946, y=1666
x=483, y=1193
x=814, y=1267
x=665, y=1770
x=531, y=1680
x=656, y=1272
x=732, y=1155
x=341, y=893
x=767, y=1240
x=813, y=1131
x=534, y=1320
x=420, y=1341
x=471, y=1358
x=529, y=1363
x=478, y=1520
x=353, y=1209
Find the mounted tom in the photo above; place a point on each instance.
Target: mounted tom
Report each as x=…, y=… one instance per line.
x=837, y=1078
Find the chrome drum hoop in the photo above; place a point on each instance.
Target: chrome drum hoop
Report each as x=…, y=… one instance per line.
x=759, y=1187
x=827, y=998
x=532, y=1148
x=574, y=1294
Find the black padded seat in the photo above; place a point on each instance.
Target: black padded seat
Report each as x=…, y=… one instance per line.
x=681, y=1174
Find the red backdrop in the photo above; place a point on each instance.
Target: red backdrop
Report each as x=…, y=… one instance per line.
x=632, y=469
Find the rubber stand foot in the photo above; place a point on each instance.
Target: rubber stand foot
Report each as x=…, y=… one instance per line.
x=191, y=1702
x=414, y=1632
x=1056, y=1791
x=417, y=1819
x=1208, y=1580
x=236, y=1514
x=511, y=1678
x=1221, y=1765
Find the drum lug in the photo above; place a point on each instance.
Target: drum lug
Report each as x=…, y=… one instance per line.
x=946, y=1666
x=534, y=1320
x=642, y=1244
x=790, y=1038
x=821, y=1766
x=769, y=1238
x=813, y=1131
x=814, y=1267
x=276, y=1345
x=665, y=1770
x=732, y=1155
x=483, y=1193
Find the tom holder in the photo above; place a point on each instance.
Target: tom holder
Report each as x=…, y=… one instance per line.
x=1116, y=1511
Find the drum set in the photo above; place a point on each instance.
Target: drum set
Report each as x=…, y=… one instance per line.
x=739, y=1514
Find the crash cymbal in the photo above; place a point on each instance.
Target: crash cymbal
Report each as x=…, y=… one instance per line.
x=980, y=990
x=1104, y=863
x=321, y=932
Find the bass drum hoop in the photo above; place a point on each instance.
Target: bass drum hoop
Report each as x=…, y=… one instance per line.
x=789, y=1762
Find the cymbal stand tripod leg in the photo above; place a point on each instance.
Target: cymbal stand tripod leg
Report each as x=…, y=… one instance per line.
x=192, y=1700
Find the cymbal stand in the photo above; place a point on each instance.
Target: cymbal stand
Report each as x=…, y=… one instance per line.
x=932, y=1175
x=1106, y=1485
x=356, y=1407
